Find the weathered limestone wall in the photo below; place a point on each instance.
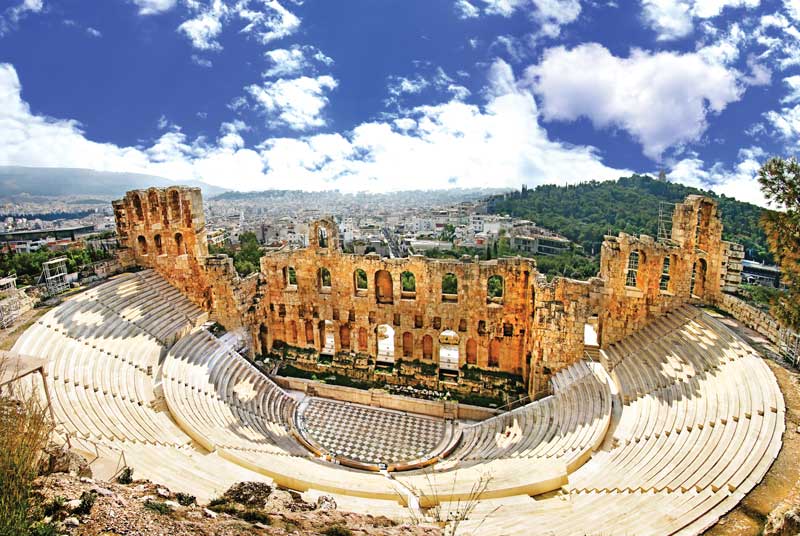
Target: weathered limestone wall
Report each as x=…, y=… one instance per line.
x=637, y=285
x=750, y=316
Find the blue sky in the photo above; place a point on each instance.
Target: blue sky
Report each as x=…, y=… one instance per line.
x=389, y=95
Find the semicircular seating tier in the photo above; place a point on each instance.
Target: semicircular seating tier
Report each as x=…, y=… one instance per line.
x=700, y=423
x=528, y=450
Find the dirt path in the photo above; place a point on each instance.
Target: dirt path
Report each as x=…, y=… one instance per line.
x=782, y=482
x=9, y=336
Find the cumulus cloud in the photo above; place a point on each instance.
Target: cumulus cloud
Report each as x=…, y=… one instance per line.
x=286, y=62
x=673, y=19
x=14, y=14
x=430, y=147
x=738, y=181
x=661, y=99
x=265, y=20
x=295, y=102
x=549, y=15
x=153, y=7
x=465, y=10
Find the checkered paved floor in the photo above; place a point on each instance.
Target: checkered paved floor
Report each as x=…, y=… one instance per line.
x=370, y=435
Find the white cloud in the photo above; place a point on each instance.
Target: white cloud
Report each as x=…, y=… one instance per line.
x=549, y=15
x=673, y=19
x=94, y=32
x=205, y=27
x=294, y=60
x=431, y=147
x=661, y=99
x=201, y=61
x=793, y=8
x=296, y=102
x=11, y=16
x=786, y=123
x=739, y=182
x=794, y=89
x=269, y=22
x=465, y=10
x=152, y=7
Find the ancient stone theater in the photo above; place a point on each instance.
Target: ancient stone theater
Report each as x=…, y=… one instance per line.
x=632, y=408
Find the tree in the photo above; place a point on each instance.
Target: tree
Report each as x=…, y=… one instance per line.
x=780, y=182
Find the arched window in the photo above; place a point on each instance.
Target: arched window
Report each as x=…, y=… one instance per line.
x=360, y=281
x=344, y=337
x=159, y=245
x=408, y=285
x=385, y=336
x=152, y=199
x=142, y=243
x=309, y=332
x=494, y=289
x=663, y=283
x=383, y=287
x=449, y=287
x=322, y=237
x=472, y=352
x=292, y=332
x=324, y=277
x=698, y=278
x=494, y=353
x=180, y=246
x=427, y=347
x=327, y=339
x=448, y=351
x=408, y=344
x=137, y=207
x=289, y=277
x=174, y=205
x=633, y=269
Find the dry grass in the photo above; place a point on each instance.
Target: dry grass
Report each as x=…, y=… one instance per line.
x=24, y=430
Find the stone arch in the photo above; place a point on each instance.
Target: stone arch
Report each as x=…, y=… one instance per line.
x=449, y=287
x=174, y=204
x=698, y=283
x=323, y=278
x=180, y=245
x=427, y=347
x=322, y=237
x=289, y=277
x=360, y=283
x=263, y=337
x=702, y=225
x=327, y=338
x=635, y=259
x=383, y=287
x=472, y=351
x=666, y=273
x=137, y=207
x=344, y=337
x=141, y=244
x=292, y=335
x=495, y=289
x=309, y=332
x=408, y=344
x=494, y=353
x=385, y=340
x=408, y=285
x=448, y=350
x=158, y=244
x=152, y=200
x=363, y=342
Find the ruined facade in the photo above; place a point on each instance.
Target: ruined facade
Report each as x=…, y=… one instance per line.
x=469, y=325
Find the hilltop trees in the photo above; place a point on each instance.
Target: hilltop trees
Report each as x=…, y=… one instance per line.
x=780, y=182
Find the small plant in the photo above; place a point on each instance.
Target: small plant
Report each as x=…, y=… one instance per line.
x=337, y=530
x=216, y=501
x=157, y=506
x=184, y=499
x=87, y=501
x=53, y=507
x=41, y=528
x=126, y=476
x=253, y=515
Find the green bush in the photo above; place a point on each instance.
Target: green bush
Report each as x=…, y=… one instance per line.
x=126, y=476
x=337, y=530
x=41, y=528
x=157, y=506
x=253, y=515
x=53, y=507
x=184, y=499
x=87, y=501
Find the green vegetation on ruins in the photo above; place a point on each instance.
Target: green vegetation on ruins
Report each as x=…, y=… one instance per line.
x=28, y=266
x=586, y=212
x=245, y=257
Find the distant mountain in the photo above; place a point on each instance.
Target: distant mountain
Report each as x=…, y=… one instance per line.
x=587, y=211
x=39, y=181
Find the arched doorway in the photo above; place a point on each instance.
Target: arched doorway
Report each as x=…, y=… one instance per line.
x=385, y=336
x=448, y=352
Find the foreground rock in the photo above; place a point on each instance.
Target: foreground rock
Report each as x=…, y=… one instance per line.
x=83, y=507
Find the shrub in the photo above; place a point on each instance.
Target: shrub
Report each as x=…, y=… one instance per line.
x=254, y=515
x=87, y=501
x=216, y=502
x=337, y=530
x=53, y=507
x=24, y=429
x=42, y=529
x=126, y=476
x=184, y=499
x=157, y=506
